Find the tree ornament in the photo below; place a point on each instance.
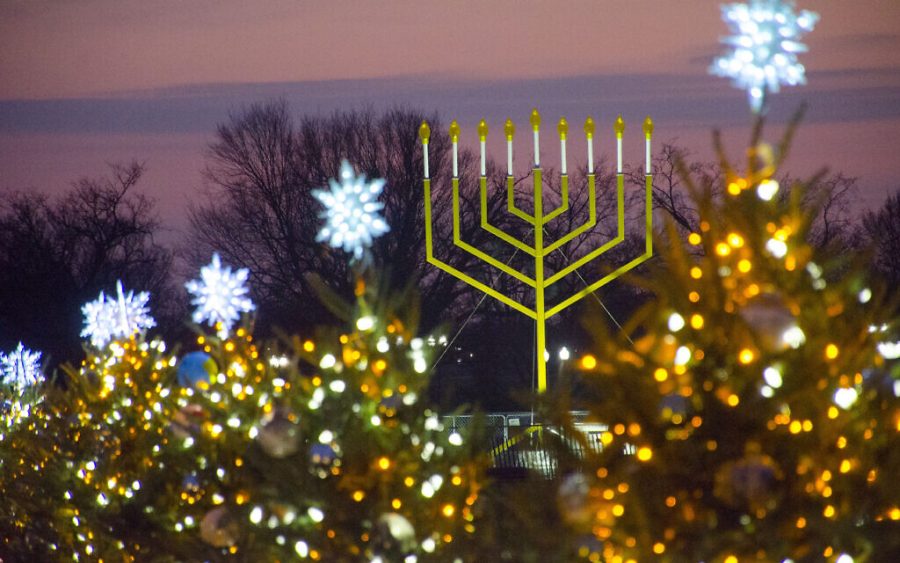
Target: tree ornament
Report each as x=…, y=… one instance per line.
x=589, y=544
x=190, y=486
x=321, y=458
x=765, y=44
x=393, y=535
x=772, y=321
x=388, y=406
x=109, y=318
x=351, y=214
x=186, y=422
x=20, y=368
x=673, y=404
x=576, y=500
x=218, y=528
x=750, y=483
x=196, y=367
x=220, y=295
x=279, y=436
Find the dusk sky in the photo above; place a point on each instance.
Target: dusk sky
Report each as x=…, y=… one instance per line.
x=85, y=82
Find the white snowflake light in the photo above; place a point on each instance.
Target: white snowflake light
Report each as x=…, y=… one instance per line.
x=351, y=213
x=20, y=367
x=108, y=317
x=889, y=350
x=220, y=295
x=765, y=46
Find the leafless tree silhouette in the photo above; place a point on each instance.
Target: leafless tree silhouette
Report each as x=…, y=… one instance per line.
x=57, y=254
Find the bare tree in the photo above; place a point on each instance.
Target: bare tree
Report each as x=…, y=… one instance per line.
x=259, y=212
x=831, y=195
x=675, y=174
x=670, y=190
x=882, y=228
x=55, y=255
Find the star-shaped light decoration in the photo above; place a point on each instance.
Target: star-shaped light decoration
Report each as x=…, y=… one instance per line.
x=21, y=367
x=765, y=46
x=352, y=218
x=108, y=318
x=220, y=295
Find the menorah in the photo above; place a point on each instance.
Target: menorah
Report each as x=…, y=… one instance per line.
x=540, y=248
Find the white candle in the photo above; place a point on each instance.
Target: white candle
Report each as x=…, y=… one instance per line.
x=454, y=138
x=620, y=130
x=510, y=129
x=482, y=137
x=618, y=155
x=483, y=159
x=647, y=167
x=590, y=144
x=562, y=151
x=535, y=126
x=589, y=133
x=424, y=134
x=648, y=132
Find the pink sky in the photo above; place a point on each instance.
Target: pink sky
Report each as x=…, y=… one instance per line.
x=84, y=82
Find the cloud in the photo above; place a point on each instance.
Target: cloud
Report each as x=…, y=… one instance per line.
x=863, y=43
x=687, y=99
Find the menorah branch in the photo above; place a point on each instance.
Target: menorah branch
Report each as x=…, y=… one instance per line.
x=537, y=220
x=457, y=240
x=623, y=269
x=486, y=225
x=593, y=255
x=429, y=255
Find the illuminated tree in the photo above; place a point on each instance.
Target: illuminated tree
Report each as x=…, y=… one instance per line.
x=323, y=448
x=755, y=416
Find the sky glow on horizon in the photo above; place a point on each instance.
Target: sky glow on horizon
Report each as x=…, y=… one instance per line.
x=93, y=81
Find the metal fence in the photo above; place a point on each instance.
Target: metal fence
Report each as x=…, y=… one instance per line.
x=521, y=445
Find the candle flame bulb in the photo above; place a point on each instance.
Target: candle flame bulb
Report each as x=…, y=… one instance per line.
x=648, y=127
x=509, y=129
x=619, y=126
x=563, y=128
x=454, y=131
x=535, y=119
x=589, y=127
x=482, y=130
x=424, y=132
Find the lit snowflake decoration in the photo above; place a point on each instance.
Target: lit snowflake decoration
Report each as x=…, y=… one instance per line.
x=21, y=367
x=220, y=295
x=766, y=43
x=351, y=213
x=121, y=316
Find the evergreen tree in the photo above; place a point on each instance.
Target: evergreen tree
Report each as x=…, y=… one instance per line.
x=755, y=416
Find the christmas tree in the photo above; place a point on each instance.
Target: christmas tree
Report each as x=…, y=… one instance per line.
x=753, y=417
x=752, y=405
x=76, y=469
x=322, y=447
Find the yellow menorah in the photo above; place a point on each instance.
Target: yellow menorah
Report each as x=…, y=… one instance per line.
x=537, y=220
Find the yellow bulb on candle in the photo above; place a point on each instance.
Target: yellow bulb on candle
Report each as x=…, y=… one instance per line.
x=424, y=132
x=535, y=119
x=482, y=130
x=619, y=126
x=509, y=129
x=563, y=128
x=648, y=127
x=589, y=127
x=454, y=131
